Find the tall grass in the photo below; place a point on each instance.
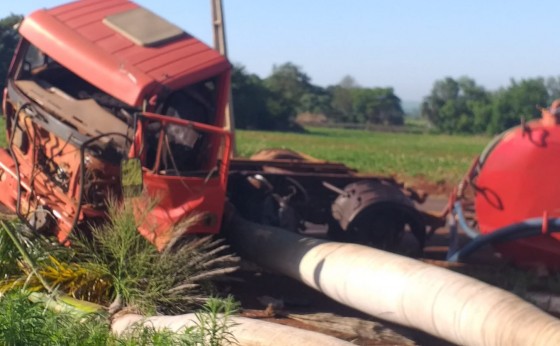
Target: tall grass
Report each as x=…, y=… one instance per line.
x=435, y=158
x=114, y=263
x=25, y=323
x=145, y=279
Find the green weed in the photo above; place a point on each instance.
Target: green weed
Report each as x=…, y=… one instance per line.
x=24, y=323
x=141, y=277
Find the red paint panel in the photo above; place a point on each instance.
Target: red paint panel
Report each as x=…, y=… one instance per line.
x=98, y=16
x=94, y=32
x=164, y=60
x=516, y=183
x=138, y=54
x=186, y=65
x=72, y=6
x=199, y=74
x=87, y=9
x=115, y=43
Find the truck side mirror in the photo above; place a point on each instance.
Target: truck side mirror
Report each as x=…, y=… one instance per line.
x=131, y=177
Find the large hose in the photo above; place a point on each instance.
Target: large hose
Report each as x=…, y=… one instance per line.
x=445, y=304
x=247, y=332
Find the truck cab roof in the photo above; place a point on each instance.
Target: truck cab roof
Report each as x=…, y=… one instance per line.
x=122, y=48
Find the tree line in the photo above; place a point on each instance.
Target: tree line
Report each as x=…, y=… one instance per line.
x=273, y=102
x=462, y=106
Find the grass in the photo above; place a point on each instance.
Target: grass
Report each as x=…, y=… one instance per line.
x=26, y=323
x=150, y=281
x=116, y=263
x=435, y=158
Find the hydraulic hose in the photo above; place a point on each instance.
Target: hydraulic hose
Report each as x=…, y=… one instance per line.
x=528, y=228
x=472, y=233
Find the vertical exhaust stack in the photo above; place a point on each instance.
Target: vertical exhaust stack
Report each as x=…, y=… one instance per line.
x=219, y=31
x=445, y=304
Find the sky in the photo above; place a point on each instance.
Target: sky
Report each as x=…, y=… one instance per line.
x=404, y=44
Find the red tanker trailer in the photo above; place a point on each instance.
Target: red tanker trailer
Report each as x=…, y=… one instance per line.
x=515, y=192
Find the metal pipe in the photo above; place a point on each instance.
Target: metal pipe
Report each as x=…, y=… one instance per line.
x=472, y=233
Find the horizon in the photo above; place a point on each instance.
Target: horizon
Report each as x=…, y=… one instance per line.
x=402, y=44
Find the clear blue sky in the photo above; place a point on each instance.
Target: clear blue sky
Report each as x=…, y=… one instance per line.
x=406, y=44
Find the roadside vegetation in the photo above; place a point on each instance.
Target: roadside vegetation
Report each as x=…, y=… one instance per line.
x=23, y=322
x=58, y=295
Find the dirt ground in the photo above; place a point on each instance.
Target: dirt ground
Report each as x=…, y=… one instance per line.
x=279, y=299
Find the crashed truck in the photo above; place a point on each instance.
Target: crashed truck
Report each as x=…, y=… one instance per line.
x=102, y=91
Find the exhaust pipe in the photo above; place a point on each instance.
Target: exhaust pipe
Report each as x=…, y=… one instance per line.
x=402, y=290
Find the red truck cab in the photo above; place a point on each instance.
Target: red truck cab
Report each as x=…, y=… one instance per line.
x=93, y=82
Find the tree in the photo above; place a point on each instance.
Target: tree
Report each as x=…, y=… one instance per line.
x=290, y=83
x=377, y=106
x=353, y=103
x=249, y=99
x=519, y=100
x=457, y=106
x=257, y=107
x=316, y=102
x=553, y=88
x=442, y=92
x=8, y=42
x=342, y=102
x=463, y=106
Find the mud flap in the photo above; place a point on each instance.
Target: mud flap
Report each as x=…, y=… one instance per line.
x=375, y=213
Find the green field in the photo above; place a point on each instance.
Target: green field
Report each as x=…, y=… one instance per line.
x=433, y=158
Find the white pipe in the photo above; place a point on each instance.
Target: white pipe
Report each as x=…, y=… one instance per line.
x=445, y=304
x=247, y=332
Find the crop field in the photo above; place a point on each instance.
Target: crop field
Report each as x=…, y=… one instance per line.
x=428, y=158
